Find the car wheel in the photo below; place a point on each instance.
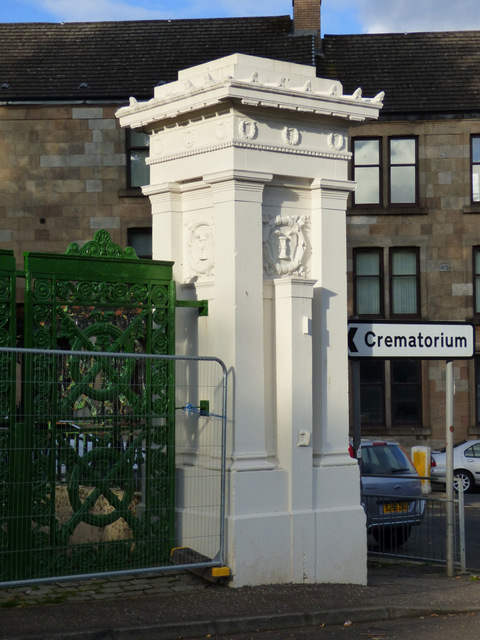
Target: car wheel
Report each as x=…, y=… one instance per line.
x=463, y=479
x=391, y=537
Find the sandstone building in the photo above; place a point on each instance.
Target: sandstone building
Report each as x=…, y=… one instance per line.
x=68, y=169
x=413, y=223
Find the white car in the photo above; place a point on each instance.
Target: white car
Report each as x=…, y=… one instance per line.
x=466, y=465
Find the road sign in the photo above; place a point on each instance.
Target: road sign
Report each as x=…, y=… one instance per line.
x=411, y=340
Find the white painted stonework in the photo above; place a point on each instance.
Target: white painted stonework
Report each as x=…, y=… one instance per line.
x=249, y=185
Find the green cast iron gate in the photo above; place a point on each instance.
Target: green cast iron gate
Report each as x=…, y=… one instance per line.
x=86, y=440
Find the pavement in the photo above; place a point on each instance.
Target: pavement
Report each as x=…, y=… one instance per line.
x=169, y=606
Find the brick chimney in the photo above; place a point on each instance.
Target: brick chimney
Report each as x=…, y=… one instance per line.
x=306, y=17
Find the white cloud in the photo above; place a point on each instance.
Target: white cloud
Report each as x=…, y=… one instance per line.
x=338, y=16
x=383, y=16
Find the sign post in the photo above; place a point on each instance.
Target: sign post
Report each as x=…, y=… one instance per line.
x=427, y=341
x=356, y=409
x=450, y=515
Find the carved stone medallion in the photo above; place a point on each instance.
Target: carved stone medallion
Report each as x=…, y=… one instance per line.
x=290, y=135
x=336, y=141
x=284, y=246
x=189, y=138
x=200, y=248
x=157, y=144
x=222, y=131
x=247, y=129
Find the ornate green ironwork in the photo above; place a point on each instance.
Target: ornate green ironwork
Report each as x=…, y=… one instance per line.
x=101, y=247
x=93, y=445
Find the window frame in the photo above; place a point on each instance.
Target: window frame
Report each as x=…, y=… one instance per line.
x=131, y=231
x=396, y=424
x=381, y=279
x=477, y=389
x=473, y=164
x=392, y=403
x=366, y=385
x=390, y=165
x=474, y=449
x=476, y=277
x=392, y=276
x=380, y=171
x=130, y=146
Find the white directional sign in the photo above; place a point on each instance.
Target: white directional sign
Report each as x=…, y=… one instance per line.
x=411, y=340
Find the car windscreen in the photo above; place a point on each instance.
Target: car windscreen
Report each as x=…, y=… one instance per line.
x=384, y=459
x=455, y=445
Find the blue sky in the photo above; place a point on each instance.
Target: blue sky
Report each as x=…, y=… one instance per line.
x=338, y=16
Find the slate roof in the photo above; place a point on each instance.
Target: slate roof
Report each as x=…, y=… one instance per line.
x=115, y=60
x=421, y=73
x=436, y=72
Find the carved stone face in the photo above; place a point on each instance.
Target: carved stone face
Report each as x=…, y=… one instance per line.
x=284, y=246
x=200, y=248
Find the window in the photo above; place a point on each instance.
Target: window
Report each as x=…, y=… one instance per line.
x=390, y=390
x=138, y=172
x=400, y=182
x=372, y=391
x=367, y=171
x=368, y=279
x=472, y=452
x=476, y=280
x=384, y=459
x=477, y=387
x=406, y=392
x=141, y=240
x=368, y=282
x=391, y=394
x=404, y=282
x=403, y=170
x=475, y=156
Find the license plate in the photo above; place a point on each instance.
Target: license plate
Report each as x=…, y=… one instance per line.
x=395, y=507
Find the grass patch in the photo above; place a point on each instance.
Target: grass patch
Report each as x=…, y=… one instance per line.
x=11, y=604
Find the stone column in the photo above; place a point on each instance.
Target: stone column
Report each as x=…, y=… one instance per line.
x=238, y=322
x=330, y=354
x=293, y=321
x=336, y=474
x=167, y=222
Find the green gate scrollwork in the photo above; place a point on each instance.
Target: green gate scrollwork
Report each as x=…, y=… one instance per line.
x=99, y=428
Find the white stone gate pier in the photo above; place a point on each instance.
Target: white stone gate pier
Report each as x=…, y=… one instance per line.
x=249, y=186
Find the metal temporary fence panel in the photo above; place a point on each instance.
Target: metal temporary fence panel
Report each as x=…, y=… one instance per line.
x=89, y=490
x=112, y=449
x=200, y=445
x=8, y=333
x=424, y=541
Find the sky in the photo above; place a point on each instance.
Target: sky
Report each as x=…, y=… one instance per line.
x=338, y=16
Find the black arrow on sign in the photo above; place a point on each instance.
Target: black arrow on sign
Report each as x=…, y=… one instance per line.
x=352, y=347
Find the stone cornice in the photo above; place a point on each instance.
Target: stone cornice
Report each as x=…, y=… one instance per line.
x=250, y=145
x=240, y=78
